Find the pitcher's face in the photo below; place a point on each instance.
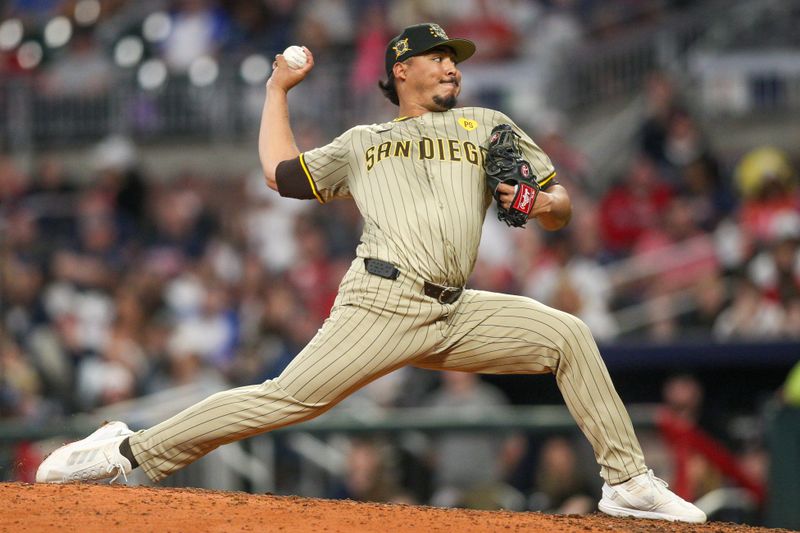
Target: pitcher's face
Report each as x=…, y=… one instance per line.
x=434, y=79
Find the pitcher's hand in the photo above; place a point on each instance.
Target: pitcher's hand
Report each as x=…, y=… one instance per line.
x=283, y=77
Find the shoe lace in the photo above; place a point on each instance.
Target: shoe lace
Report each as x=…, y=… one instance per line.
x=115, y=466
x=656, y=480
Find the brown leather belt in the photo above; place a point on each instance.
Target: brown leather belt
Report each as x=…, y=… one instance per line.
x=443, y=295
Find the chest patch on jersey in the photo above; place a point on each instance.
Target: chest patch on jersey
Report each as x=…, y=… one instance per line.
x=468, y=124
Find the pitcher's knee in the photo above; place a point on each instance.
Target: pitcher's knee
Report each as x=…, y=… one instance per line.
x=574, y=335
x=293, y=408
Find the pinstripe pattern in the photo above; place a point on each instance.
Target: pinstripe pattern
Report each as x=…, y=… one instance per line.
x=423, y=212
x=506, y=334
x=419, y=185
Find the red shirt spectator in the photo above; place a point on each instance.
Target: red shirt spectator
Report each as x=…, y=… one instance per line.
x=678, y=250
x=632, y=207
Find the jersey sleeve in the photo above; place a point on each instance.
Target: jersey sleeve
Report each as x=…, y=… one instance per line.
x=327, y=168
x=542, y=166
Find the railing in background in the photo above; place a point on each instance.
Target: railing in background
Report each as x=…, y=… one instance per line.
x=178, y=112
x=619, y=67
x=254, y=462
x=230, y=109
x=637, y=269
x=321, y=443
x=747, y=82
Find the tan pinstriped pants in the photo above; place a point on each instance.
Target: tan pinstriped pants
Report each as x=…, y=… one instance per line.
x=378, y=325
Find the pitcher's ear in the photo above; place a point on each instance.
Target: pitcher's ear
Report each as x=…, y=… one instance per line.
x=399, y=70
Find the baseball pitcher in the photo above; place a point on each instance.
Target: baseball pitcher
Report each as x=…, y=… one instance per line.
x=423, y=183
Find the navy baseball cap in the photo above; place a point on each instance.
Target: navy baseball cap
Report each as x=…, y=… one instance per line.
x=420, y=38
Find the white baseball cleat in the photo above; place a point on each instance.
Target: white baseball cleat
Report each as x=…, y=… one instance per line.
x=109, y=430
x=94, y=458
x=646, y=496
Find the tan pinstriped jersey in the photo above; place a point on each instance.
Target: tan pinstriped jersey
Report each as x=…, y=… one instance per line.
x=420, y=186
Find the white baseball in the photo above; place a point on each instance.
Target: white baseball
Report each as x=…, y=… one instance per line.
x=295, y=57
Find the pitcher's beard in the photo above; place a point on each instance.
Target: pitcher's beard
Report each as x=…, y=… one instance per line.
x=447, y=103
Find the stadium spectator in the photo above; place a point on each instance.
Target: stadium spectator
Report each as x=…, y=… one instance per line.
x=552, y=35
x=326, y=25
x=83, y=71
x=576, y=282
x=249, y=31
x=23, y=268
x=368, y=54
x=776, y=267
x=749, y=315
x=683, y=145
x=703, y=462
x=282, y=16
x=489, y=26
x=767, y=183
x=270, y=222
x=678, y=255
x=109, y=377
x=173, y=364
x=371, y=474
x=313, y=276
x=632, y=207
x=50, y=199
x=199, y=28
x=209, y=327
x=13, y=182
x=791, y=322
x=275, y=347
x=560, y=484
x=115, y=166
x=491, y=455
x=97, y=256
x=683, y=397
x=710, y=297
x=707, y=191
x=20, y=385
x=178, y=233
x=574, y=169
x=661, y=102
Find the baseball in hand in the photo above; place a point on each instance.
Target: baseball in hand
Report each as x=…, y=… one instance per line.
x=295, y=57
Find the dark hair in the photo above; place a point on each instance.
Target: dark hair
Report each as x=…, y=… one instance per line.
x=389, y=90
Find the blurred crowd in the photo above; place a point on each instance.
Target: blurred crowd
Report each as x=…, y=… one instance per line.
x=556, y=473
x=158, y=68
x=695, y=243
x=154, y=68
x=123, y=282
x=178, y=32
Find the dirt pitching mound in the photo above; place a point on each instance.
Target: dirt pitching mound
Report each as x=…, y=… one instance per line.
x=118, y=508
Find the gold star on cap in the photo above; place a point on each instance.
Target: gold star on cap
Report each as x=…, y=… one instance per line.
x=401, y=47
x=437, y=31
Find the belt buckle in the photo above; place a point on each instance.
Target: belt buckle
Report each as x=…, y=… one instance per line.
x=446, y=295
